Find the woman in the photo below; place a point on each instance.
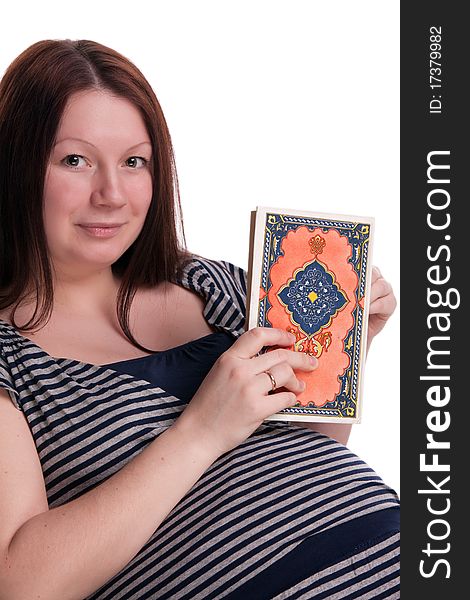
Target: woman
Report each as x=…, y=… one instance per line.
x=134, y=459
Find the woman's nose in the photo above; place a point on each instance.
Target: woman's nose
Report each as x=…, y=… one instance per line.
x=107, y=189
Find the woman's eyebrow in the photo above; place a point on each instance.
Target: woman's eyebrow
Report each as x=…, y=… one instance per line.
x=93, y=146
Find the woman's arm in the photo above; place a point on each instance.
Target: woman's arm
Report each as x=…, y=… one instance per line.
x=382, y=306
x=70, y=551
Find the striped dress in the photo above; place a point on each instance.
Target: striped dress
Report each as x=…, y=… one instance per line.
x=289, y=513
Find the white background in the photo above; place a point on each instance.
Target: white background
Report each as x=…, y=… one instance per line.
x=281, y=104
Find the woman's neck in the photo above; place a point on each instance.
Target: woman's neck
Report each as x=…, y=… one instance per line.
x=95, y=294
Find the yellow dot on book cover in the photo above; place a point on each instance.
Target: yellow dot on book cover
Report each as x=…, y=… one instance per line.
x=312, y=297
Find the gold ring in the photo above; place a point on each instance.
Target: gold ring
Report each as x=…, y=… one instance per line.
x=273, y=381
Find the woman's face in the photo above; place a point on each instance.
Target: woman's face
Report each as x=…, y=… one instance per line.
x=98, y=185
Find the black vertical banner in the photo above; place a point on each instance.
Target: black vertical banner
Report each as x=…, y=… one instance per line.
x=435, y=251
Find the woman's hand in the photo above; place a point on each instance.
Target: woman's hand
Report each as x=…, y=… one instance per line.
x=382, y=304
x=234, y=398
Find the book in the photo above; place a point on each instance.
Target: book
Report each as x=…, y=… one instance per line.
x=309, y=273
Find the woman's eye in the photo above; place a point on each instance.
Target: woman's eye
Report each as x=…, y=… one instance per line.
x=74, y=160
x=136, y=162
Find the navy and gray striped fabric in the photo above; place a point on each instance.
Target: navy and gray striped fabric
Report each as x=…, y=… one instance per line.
x=251, y=508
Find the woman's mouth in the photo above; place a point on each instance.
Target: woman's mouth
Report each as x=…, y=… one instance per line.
x=101, y=230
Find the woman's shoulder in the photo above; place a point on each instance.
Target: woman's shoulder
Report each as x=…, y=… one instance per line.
x=207, y=273
x=7, y=337
x=7, y=331
x=222, y=286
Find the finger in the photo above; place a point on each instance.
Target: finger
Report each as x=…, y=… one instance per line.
x=279, y=401
x=380, y=288
x=253, y=341
x=284, y=377
x=376, y=274
x=297, y=360
x=383, y=307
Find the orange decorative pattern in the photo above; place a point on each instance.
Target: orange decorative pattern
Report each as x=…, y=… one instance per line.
x=317, y=243
x=327, y=343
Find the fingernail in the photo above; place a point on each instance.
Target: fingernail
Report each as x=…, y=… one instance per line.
x=302, y=385
x=313, y=360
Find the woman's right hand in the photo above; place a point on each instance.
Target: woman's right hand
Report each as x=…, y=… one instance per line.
x=234, y=399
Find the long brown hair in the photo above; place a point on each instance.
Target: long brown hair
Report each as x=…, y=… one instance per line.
x=33, y=94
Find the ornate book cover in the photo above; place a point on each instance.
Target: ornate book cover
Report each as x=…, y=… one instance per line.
x=309, y=273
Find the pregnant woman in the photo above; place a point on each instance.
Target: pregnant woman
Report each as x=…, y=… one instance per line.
x=135, y=459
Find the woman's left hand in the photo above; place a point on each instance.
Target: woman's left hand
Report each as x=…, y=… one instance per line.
x=382, y=304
